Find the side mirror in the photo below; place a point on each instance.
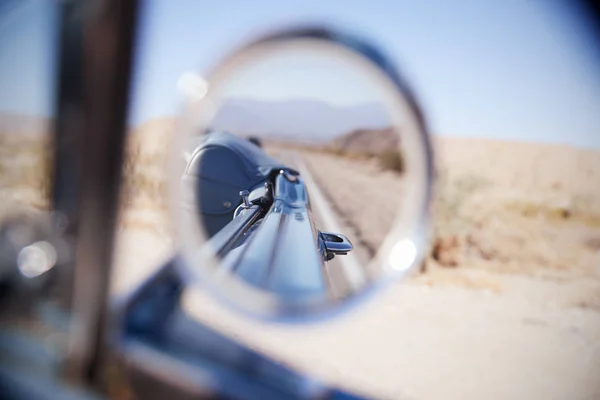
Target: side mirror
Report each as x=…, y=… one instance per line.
x=335, y=244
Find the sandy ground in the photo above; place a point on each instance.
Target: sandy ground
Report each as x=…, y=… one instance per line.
x=511, y=309
x=421, y=341
x=484, y=329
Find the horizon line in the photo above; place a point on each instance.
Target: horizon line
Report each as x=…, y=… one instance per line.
x=132, y=125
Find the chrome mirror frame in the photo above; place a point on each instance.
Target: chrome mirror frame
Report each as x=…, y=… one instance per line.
x=190, y=237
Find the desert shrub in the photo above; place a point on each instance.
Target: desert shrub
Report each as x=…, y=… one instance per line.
x=551, y=212
x=369, y=154
x=142, y=179
x=25, y=167
x=451, y=223
x=392, y=160
x=593, y=243
x=135, y=182
x=255, y=140
x=349, y=154
x=446, y=251
x=336, y=151
x=586, y=209
x=355, y=156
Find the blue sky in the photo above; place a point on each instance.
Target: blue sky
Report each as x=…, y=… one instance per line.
x=507, y=69
x=28, y=32
x=305, y=73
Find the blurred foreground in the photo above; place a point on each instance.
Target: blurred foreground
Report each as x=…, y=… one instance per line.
x=508, y=305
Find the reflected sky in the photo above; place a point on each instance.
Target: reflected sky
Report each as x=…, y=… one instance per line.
x=303, y=74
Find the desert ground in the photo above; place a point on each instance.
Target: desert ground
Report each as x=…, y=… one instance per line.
x=508, y=304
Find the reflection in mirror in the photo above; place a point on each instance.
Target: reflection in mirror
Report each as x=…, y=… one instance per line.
x=297, y=174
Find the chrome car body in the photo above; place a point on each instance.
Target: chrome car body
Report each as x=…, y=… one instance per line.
x=272, y=241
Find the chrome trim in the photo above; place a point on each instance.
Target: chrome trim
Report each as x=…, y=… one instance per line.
x=244, y=194
x=227, y=237
x=282, y=254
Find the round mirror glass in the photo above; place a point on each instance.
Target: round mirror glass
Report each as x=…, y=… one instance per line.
x=302, y=175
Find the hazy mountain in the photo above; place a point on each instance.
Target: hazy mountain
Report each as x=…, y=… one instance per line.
x=306, y=120
x=372, y=141
x=23, y=124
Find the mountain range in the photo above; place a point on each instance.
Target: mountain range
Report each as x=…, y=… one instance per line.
x=23, y=124
x=304, y=120
x=366, y=141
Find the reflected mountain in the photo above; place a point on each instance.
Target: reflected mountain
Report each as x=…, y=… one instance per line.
x=366, y=141
x=304, y=120
x=13, y=123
